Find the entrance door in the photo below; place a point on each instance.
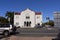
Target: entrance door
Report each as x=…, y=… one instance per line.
x=27, y=24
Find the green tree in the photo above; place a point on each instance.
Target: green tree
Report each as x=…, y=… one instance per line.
x=3, y=20
x=43, y=24
x=10, y=15
x=51, y=22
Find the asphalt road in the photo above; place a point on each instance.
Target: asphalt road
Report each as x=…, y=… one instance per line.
x=36, y=32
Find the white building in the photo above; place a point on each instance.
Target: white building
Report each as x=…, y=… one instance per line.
x=56, y=19
x=27, y=18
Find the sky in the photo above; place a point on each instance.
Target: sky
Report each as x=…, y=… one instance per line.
x=47, y=7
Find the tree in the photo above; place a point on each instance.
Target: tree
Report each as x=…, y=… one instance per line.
x=51, y=22
x=43, y=24
x=10, y=15
x=3, y=20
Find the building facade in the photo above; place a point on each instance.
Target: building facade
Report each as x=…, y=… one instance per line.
x=57, y=19
x=27, y=18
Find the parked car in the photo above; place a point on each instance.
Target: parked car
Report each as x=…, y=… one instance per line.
x=6, y=29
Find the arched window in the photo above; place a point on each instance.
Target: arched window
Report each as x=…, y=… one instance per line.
x=25, y=23
x=27, y=17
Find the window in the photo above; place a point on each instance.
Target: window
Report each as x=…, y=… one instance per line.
x=17, y=23
x=4, y=25
x=27, y=17
x=38, y=17
x=17, y=16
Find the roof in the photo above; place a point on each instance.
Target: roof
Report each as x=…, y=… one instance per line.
x=36, y=13
x=16, y=13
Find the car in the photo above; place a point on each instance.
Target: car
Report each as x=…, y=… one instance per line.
x=6, y=29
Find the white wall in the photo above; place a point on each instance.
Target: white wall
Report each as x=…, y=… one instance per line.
x=29, y=13
x=22, y=17
x=39, y=19
x=17, y=20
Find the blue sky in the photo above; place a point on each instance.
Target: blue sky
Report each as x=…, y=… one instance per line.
x=47, y=7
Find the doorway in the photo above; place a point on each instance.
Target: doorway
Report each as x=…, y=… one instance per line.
x=27, y=23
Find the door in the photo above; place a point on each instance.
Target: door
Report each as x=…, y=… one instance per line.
x=27, y=24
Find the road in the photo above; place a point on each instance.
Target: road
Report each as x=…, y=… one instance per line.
x=33, y=32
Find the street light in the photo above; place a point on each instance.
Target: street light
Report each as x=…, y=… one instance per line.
x=47, y=18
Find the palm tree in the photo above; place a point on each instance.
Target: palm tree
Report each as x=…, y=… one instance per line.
x=10, y=16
